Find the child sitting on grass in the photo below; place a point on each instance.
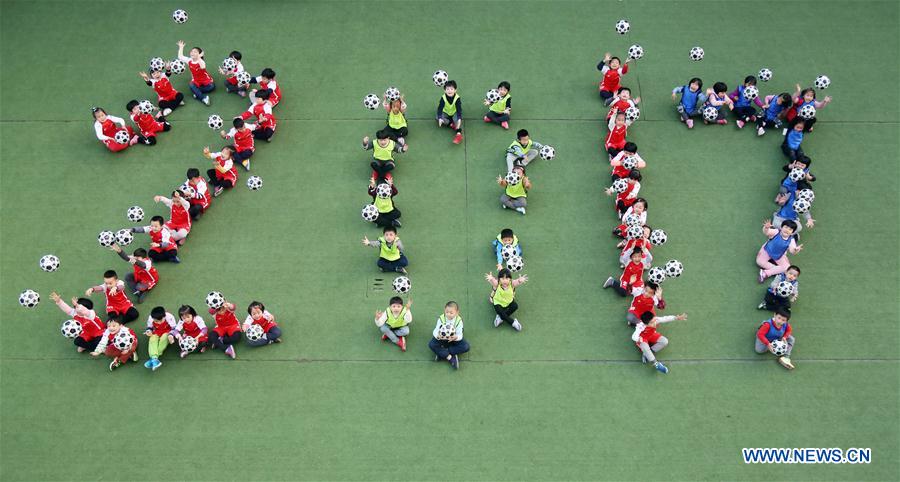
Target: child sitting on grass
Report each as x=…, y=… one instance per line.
x=503, y=297
x=449, y=110
x=505, y=238
x=388, y=214
x=160, y=330
x=717, y=97
x=776, y=328
x=383, y=150
x=612, y=69
x=227, y=331
x=649, y=341
x=396, y=127
x=498, y=112
x=191, y=325
x=522, y=151
x=772, y=256
x=773, y=300
x=144, y=277
x=82, y=311
x=691, y=95
x=108, y=348
x=447, y=340
x=394, y=321
x=390, y=255
x=515, y=195
x=632, y=279
x=258, y=315
x=618, y=129
x=774, y=109
x=743, y=107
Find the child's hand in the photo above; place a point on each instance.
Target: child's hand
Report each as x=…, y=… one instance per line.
x=389, y=180
x=88, y=291
x=500, y=180
x=180, y=44
x=154, y=245
x=378, y=314
x=54, y=296
x=606, y=57
x=486, y=102
x=771, y=349
x=765, y=106
x=637, y=100
x=371, y=182
x=222, y=133
x=206, y=151
x=148, y=332
x=767, y=224
x=523, y=278
x=157, y=199
x=506, y=111
x=408, y=303
x=827, y=99
x=144, y=75
x=113, y=290
x=488, y=276
x=366, y=140
x=171, y=339
x=681, y=317
x=95, y=353
x=365, y=240
x=608, y=191
x=405, y=147
x=115, y=247
x=499, y=267
x=673, y=97
x=799, y=88
x=810, y=223
x=799, y=247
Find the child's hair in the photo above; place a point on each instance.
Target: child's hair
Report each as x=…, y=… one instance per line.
x=620, y=114
x=719, y=87
x=395, y=300
x=110, y=273
x=783, y=312
x=504, y=273
x=452, y=304
x=647, y=316
x=795, y=268
x=140, y=253
x=131, y=105
x=193, y=172
x=791, y=224
x=396, y=102
x=504, y=85
x=158, y=219
x=389, y=229
x=186, y=310
x=450, y=83
x=506, y=233
x=158, y=313
x=808, y=89
x=94, y=111
x=521, y=133
x=637, y=251
x=651, y=285
x=750, y=79
x=235, y=55
x=256, y=304
x=698, y=81
x=263, y=94
x=643, y=201
x=616, y=59
x=112, y=318
x=381, y=134
x=622, y=89
x=786, y=99
x=635, y=174
x=630, y=147
x=85, y=302
x=805, y=160
x=230, y=148
x=268, y=73
x=199, y=50
x=797, y=121
x=237, y=122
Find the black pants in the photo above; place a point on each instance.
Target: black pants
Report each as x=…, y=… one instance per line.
x=222, y=342
x=382, y=168
x=744, y=113
x=762, y=122
x=497, y=118
x=505, y=314
x=172, y=104
x=224, y=183
x=195, y=211
x=240, y=156
x=773, y=301
x=89, y=345
x=130, y=315
x=164, y=255
x=792, y=154
x=396, y=134
x=387, y=219
x=613, y=151
x=808, y=123
x=617, y=287
x=151, y=140
x=606, y=96
x=263, y=134
x=133, y=285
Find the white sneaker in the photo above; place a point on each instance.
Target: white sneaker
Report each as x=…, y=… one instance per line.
x=206, y=100
x=760, y=131
x=609, y=282
x=166, y=111
x=497, y=321
x=521, y=210
x=517, y=325
x=503, y=206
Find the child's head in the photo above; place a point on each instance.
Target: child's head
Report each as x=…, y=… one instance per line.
x=263, y=95
x=156, y=74
x=238, y=123
x=647, y=318
x=520, y=170
x=110, y=278
x=650, y=289
x=132, y=106
x=634, y=175
x=637, y=255
x=522, y=136
x=196, y=53
x=506, y=236
x=140, y=253
x=83, y=306
x=624, y=93
x=788, y=228
x=749, y=80
x=808, y=94
x=227, y=151
x=503, y=88
x=620, y=119
x=193, y=173
x=158, y=313
x=792, y=273
x=267, y=74
x=395, y=304
x=640, y=205
x=695, y=84
x=647, y=231
x=803, y=162
x=798, y=124
x=390, y=234
x=719, y=88
x=256, y=310
x=235, y=55
x=450, y=88
x=395, y=105
x=630, y=148
x=504, y=277
x=113, y=323
x=785, y=99
x=451, y=309
x=781, y=316
x=187, y=313
x=614, y=63
x=383, y=138
x=99, y=113
x=156, y=223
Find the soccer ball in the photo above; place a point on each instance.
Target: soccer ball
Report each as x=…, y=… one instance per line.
x=440, y=78
x=807, y=194
x=70, y=328
x=402, y=284
x=243, y=78
x=29, y=298
x=135, y=214
x=801, y=206
x=656, y=275
x=622, y=26
x=635, y=51
x=187, y=191
x=658, y=237
x=635, y=231
x=513, y=178
x=492, y=96
x=696, y=54
x=674, y=268
x=254, y=332
x=515, y=263
x=620, y=185
x=796, y=174
x=179, y=16
x=176, y=67
x=49, y=263
x=446, y=330
x=214, y=122
x=106, y=238
x=822, y=82
x=124, y=237
x=547, y=153
x=370, y=213
x=629, y=162
x=124, y=340
x=371, y=101
x=254, y=183
x=765, y=75
x=508, y=251
x=632, y=219
x=121, y=137
x=710, y=113
x=229, y=64
x=784, y=289
x=157, y=63
x=187, y=343
x=779, y=348
x=215, y=300
x=751, y=92
x=383, y=190
x=807, y=111
x=145, y=106
x=632, y=114
x=392, y=93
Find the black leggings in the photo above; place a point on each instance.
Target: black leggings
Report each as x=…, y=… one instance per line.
x=172, y=104
x=773, y=302
x=240, y=156
x=130, y=315
x=396, y=134
x=195, y=211
x=263, y=134
x=387, y=219
x=133, y=285
x=225, y=183
x=744, y=113
x=165, y=255
x=222, y=342
x=382, y=168
x=89, y=345
x=506, y=313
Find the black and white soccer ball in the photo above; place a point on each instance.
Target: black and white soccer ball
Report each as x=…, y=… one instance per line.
x=187, y=343
x=214, y=122
x=635, y=51
x=629, y=162
x=493, y=96
x=515, y=263
x=822, y=82
x=254, y=332
x=176, y=67
x=29, y=298
x=215, y=300
x=440, y=78
x=254, y=183
x=622, y=27
x=383, y=190
x=635, y=231
x=392, y=93
x=751, y=92
x=656, y=275
x=401, y=284
x=807, y=194
x=632, y=219
x=123, y=340
x=674, y=268
x=106, y=238
x=765, y=74
x=49, y=263
x=620, y=185
x=135, y=214
x=157, y=63
x=121, y=137
x=179, y=16
x=807, y=111
x=513, y=178
x=796, y=174
x=243, y=78
x=370, y=213
x=801, y=206
x=784, y=289
x=145, y=107
x=124, y=237
x=658, y=237
x=187, y=190
x=371, y=101
x=696, y=54
x=547, y=153
x=71, y=329
x=632, y=113
x=508, y=251
x=229, y=64
x=710, y=113
x=779, y=347
x=446, y=330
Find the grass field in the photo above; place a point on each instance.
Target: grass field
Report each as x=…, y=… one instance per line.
x=567, y=398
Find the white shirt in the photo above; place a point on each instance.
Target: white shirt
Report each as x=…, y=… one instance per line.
x=98, y=127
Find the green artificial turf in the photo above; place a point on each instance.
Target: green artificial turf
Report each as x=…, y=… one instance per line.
x=567, y=398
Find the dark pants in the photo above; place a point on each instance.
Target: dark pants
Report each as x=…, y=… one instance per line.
x=200, y=92
x=386, y=265
x=224, y=183
x=762, y=122
x=606, y=96
x=133, y=285
x=613, y=151
x=505, y=314
x=808, y=123
x=621, y=207
x=234, y=88
x=195, y=211
x=89, y=345
x=497, y=118
x=773, y=301
x=382, y=168
x=396, y=134
x=130, y=315
x=617, y=287
x=744, y=113
x=444, y=348
x=172, y=104
x=240, y=156
x=164, y=255
x=792, y=154
x=273, y=334
x=263, y=134
x=222, y=342
x=387, y=219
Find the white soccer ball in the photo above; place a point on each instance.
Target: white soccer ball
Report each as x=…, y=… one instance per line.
x=751, y=92
x=446, y=330
x=229, y=64
x=696, y=54
x=187, y=190
x=620, y=185
x=179, y=16
x=629, y=162
x=674, y=268
x=49, y=263
x=29, y=298
x=508, y=251
x=392, y=93
x=656, y=275
x=513, y=178
x=215, y=300
x=492, y=96
x=187, y=343
x=214, y=122
x=124, y=340
x=371, y=101
x=635, y=51
x=254, y=332
x=176, y=67
x=658, y=237
x=632, y=113
x=370, y=213
x=801, y=205
x=135, y=214
x=254, y=183
x=124, y=237
x=515, y=263
x=243, y=78
x=807, y=111
x=765, y=74
x=622, y=26
x=797, y=174
x=71, y=329
x=383, y=190
x=822, y=82
x=547, y=153
x=710, y=113
x=157, y=63
x=440, y=78
x=145, y=107
x=635, y=231
x=402, y=284
x=106, y=238
x=632, y=219
x=807, y=194
x=779, y=347
x=784, y=289
x=121, y=137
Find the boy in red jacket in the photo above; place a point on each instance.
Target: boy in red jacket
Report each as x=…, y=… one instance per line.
x=632, y=279
x=650, y=298
x=776, y=328
x=615, y=141
x=649, y=341
x=612, y=70
x=82, y=311
x=108, y=347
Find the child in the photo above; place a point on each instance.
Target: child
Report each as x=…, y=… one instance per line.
x=394, y=321
x=449, y=347
x=224, y=174
x=776, y=328
x=179, y=223
x=262, y=110
x=231, y=82
x=642, y=243
x=793, y=138
x=396, y=127
x=743, y=108
x=258, y=315
x=522, y=151
x=388, y=214
x=82, y=311
x=806, y=97
x=242, y=134
x=144, y=277
x=107, y=347
x=117, y=303
x=190, y=324
x=146, y=124
x=449, y=110
x=691, y=95
x=390, y=257
x=773, y=300
x=772, y=256
x=649, y=341
x=774, y=109
x=632, y=278
x=618, y=169
x=227, y=331
x=625, y=199
x=498, y=112
x=717, y=97
x=503, y=295
x=804, y=163
x=787, y=212
x=201, y=83
x=106, y=126
x=615, y=140
x=383, y=150
x=505, y=238
x=202, y=195
x=514, y=197
x=650, y=298
x=168, y=99
x=620, y=103
x=638, y=208
x=161, y=330
x=612, y=70
x=266, y=81
x=162, y=245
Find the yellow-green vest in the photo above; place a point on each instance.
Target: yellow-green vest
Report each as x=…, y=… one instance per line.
x=398, y=321
x=525, y=148
x=515, y=241
x=501, y=296
x=499, y=106
x=516, y=190
x=392, y=253
x=450, y=108
x=383, y=153
x=456, y=321
x=384, y=205
x=396, y=121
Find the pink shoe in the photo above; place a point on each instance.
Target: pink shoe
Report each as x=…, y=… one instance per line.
x=457, y=139
x=230, y=351
x=133, y=141
x=690, y=123
x=721, y=122
x=740, y=124
x=184, y=354
x=505, y=125
x=487, y=119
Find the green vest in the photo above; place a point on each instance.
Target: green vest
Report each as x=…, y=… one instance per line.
x=397, y=120
x=384, y=205
x=515, y=241
x=392, y=253
x=525, y=148
x=503, y=297
x=516, y=190
x=397, y=322
x=499, y=106
x=456, y=321
x=450, y=107
x=383, y=153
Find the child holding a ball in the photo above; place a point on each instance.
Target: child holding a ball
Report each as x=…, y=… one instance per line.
x=498, y=112
x=776, y=328
x=743, y=105
x=396, y=127
x=774, y=300
x=626, y=160
x=505, y=240
x=691, y=95
x=774, y=109
x=383, y=150
x=201, y=83
x=612, y=69
x=117, y=302
x=390, y=251
x=148, y=125
x=394, y=321
x=449, y=110
x=224, y=173
x=82, y=311
x=107, y=126
x=266, y=81
x=265, y=120
x=620, y=103
x=191, y=325
x=257, y=314
x=772, y=257
x=107, y=345
x=717, y=97
x=516, y=185
x=615, y=140
x=522, y=151
x=227, y=331
x=383, y=199
x=632, y=279
x=447, y=340
x=231, y=82
x=804, y=97
x=503, y=295
x=168, y=99
x=242, y=134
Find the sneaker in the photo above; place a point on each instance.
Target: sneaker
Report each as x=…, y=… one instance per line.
x=784, y=131
x=505, y=125
x=79, y=349
x=230, y=351
x=206, y=100
x=503, y=206
x=148, y=363
x=436, y=358
x=402, y=343
x=722, y=122
x=761, y=306
x=762, y=277
x=786, y=362
x=521, y=210
x=454, y=362
x=662, y=368
x=277, y=340
x=644, y=359
x=139, y=296
x=156, y=364
x=441, y=122
x=219, y=190
x=458, y=138
x=609, y=282
x=497, y=321
x=690, y=123
x=115, y=363
x=383, y=337
x=134, y=356
x=246, y=164
x=752, y=118
x=760, y=131
x=516, y=325
x=396, y=223
x=181, y=103
x=740, y=124
x=167, y=111
x=176, y=259
x=402, y=270
x=487, y=119
x=184, y=354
